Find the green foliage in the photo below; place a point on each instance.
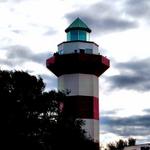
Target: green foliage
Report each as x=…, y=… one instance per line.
x=32, y=118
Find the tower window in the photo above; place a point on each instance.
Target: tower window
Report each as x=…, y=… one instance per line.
x=74, y=35
x=82, y=35
x=77, y=35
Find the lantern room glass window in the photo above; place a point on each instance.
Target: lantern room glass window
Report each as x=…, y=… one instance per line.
x=77, y=35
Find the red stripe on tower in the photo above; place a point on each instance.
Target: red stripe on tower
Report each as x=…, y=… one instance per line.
x=78, y=64
x=83, y=106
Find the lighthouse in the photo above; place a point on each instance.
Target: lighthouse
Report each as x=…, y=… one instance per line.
x=78, y=65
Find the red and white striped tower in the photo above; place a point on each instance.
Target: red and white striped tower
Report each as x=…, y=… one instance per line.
x=78, y=64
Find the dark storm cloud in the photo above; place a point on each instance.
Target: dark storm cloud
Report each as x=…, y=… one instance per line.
x=141, y=121
x=137, y=8
x=103, y=17
x=134, y=75
x=127, y=126
x=17, y=54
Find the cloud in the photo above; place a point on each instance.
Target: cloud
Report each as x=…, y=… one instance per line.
x=126, y=127
x=17, y=31
x=50, y=81
x=17, y=54
x=103, y=17
x=32, y=28
x=134, y=75
x=147, y=111
x=5, y=62
x=110, y=112
x=12, y=1
x=137, y=8
x=50, y=31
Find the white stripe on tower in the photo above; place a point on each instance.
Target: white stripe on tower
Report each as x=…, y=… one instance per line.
x=79, y=84
x=84, y=94
x=92, y=128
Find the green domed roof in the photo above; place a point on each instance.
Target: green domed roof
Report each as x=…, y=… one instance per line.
x=78, y=24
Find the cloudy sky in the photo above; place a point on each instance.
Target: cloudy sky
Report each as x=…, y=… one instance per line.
x=30, y=31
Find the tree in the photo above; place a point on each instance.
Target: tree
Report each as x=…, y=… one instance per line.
x=111, y=146
x=32, y=118
x=131, y=141
x=119, y=145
